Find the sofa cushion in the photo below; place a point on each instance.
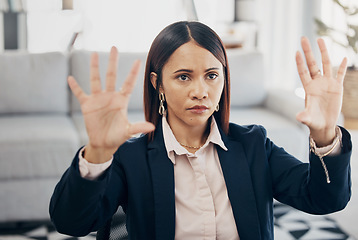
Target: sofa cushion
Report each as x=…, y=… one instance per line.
x=80, y=68
x=33, y=83
x=282, y=131
x=36, y=146
x=247, y=78
x=26, y=200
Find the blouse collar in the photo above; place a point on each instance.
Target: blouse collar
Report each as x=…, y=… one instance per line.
x=173, y=146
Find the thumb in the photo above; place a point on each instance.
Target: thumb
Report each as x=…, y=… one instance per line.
x=141, y=127
x=304, y=117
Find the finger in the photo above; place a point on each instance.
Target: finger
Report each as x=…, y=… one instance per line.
x=112, y=70
x=95, y=79
x=76, y=89
x=302, y=70
x=141, y=127
x=311, y=62
x=327, y=68
x=129, y=83
x=342, y=70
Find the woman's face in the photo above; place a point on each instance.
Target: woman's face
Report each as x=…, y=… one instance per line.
x=192, y=82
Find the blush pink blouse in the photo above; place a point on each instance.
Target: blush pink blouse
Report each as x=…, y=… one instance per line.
x=203, y=209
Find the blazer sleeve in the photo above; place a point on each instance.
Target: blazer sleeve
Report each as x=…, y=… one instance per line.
x=304, y=185
x=79, y=206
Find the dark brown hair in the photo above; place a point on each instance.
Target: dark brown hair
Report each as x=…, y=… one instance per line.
x=163, y=46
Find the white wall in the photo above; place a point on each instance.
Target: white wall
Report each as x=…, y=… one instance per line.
x=129, y=25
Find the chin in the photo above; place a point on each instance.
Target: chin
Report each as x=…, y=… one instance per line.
x=197, y=120
x=192, y=120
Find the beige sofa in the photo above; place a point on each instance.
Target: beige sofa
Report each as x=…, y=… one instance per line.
x=41, y=126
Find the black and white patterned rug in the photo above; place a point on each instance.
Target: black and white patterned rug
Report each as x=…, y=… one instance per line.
x=290, y=224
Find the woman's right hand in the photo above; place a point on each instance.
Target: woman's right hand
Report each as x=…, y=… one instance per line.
x=105, y=111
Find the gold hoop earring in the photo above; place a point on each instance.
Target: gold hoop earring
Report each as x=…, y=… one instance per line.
x=217, y=108
x=161, y=103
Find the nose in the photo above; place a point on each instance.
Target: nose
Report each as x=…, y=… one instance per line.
x=199, y=89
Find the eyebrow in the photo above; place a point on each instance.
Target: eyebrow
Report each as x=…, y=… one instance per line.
x=190, y=71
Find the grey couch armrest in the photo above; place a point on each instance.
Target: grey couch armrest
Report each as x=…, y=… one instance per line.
x=288, y=104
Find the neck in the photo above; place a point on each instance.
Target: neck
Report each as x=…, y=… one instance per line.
x=190, y=137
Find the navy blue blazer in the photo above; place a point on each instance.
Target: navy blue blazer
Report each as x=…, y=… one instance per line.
x=141, y=180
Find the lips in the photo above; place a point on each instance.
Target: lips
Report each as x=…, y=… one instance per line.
x=198, y=109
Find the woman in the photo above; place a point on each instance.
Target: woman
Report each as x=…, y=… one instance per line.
x=194, y=175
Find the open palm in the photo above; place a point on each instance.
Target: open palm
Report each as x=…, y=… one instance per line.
x=105, y=111
x=324, y=92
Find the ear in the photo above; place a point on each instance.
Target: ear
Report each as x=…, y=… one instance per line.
x=153, y=79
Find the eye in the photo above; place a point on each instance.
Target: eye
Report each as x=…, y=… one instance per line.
x=212, y=76
x=183, y=77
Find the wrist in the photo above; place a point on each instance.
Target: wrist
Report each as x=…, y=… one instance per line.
x=323, y=137
x=97, y=155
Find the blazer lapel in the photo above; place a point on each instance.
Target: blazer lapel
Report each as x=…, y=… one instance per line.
x=163, y=186
x=240, y=190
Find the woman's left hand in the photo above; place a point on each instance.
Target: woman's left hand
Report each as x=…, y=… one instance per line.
x=324, y=93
